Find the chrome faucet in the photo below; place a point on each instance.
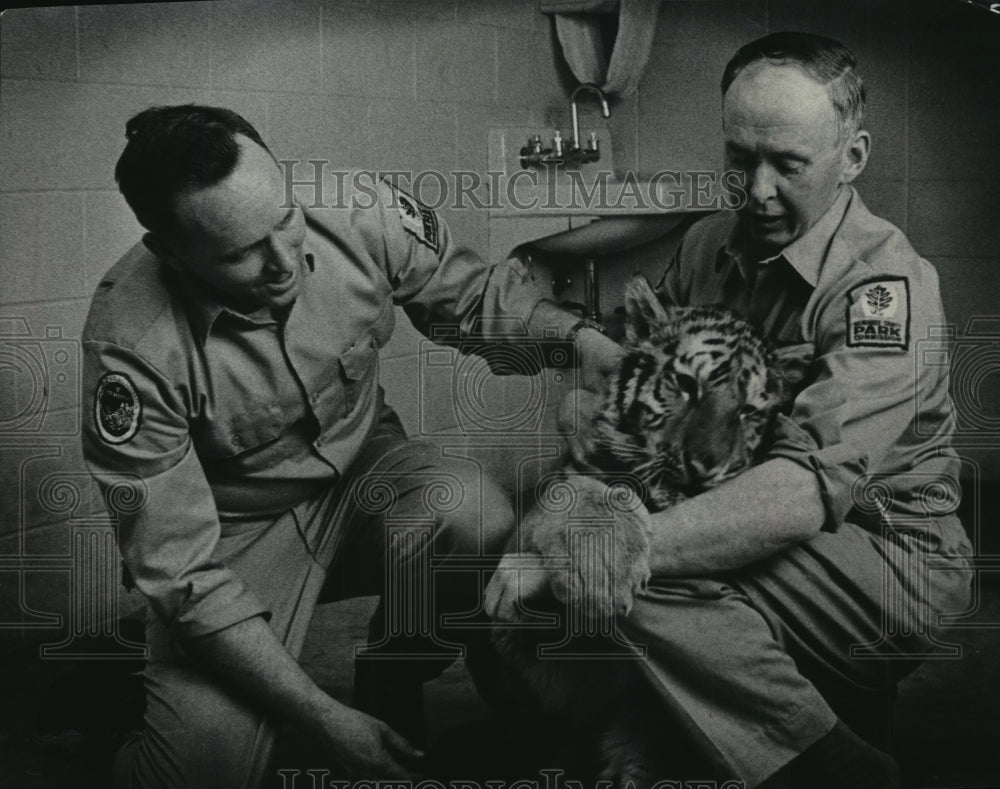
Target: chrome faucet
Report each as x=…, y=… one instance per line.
x=574, y=153
x=575, y=143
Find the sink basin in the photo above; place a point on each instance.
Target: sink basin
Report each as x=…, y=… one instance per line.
x=609, y=235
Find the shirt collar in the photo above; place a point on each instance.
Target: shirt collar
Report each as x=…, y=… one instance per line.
x=807, y=253
x=202, y=308
x=205, y=310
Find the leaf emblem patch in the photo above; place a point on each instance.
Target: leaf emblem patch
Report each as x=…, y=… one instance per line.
x=879, y=298
x=878, y=314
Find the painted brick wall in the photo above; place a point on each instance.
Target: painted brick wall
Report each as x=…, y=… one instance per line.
x=395, y=85
x=381, y=84
x=933, y=80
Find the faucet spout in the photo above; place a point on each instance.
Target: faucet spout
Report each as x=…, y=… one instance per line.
x=576, y=122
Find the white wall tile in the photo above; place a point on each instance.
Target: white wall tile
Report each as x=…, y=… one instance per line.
x=147, y=43
x=954, y=218
x=41, y=235
x=412, y=136
x=968, y=288
x=454, y=61
x=63, y=135
x=110, y=230
x=368, y=54
x=38, y=43
x=334, y=129
x=259, y=45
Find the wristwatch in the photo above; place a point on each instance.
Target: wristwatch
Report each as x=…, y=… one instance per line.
x=579, y=326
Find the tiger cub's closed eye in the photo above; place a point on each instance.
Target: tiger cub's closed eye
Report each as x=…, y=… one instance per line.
x=687, y=384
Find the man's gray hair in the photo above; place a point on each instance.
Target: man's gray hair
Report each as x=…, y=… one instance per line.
x=827, y=61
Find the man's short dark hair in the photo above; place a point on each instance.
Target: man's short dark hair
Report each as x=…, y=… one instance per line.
x=827, y=61
x=171, y=149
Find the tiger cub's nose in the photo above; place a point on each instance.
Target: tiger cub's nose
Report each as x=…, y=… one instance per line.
x=699, y=466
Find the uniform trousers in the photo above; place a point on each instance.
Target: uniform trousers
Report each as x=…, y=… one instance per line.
x=753, y=663
x=401, y=509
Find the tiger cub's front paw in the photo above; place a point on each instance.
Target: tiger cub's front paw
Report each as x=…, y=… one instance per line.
x=604, y=536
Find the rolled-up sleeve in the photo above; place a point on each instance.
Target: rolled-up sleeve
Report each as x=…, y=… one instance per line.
x=836, y=467
x=439, y=282
x=167, y=543
x=858, y=412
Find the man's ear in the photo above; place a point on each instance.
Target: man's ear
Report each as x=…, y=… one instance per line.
x=161, y=248
x=856, y=156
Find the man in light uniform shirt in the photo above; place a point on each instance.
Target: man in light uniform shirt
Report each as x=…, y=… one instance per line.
x=845, y=537
x=231, y=365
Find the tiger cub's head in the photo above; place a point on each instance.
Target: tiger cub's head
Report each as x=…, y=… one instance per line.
x=691, y=401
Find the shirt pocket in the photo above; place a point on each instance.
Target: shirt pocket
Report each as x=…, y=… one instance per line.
x=358, y=369
x=239, y=433
x=359, y=363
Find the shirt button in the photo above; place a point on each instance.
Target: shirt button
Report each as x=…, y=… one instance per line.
x=320, y=441
x=237, y=440
x=314, y=397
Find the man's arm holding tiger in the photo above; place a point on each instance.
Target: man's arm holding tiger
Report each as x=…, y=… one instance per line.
x=762, y=511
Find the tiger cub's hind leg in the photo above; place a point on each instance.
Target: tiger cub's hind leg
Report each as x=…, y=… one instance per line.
x=628, y=756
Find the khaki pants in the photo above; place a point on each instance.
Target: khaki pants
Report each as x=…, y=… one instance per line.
x=739, y=660
x=402, y=508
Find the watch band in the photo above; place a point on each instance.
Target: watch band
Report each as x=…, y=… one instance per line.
x=580, y=325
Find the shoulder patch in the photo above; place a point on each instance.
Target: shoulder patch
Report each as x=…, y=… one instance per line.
x=418, y=220
x=878, y=314
x=117, y=408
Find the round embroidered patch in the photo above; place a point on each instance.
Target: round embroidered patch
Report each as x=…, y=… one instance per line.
x=117, y=408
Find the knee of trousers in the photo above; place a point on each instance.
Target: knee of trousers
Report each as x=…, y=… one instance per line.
x=197, y=735
x=474, y=515
x=213, y=756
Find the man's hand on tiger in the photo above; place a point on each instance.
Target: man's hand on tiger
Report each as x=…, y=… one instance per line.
x=520, y=577
x=576, y=411
x=598, y=356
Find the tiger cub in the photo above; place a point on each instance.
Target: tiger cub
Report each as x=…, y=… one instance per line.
x=688, y=408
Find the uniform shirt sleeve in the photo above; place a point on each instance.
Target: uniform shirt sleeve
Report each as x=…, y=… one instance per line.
x=669, y=286
x=437, y=281
x=167, y=544
x=858, y=410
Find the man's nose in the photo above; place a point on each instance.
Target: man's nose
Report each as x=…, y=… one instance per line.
x=761, y=183
x=281, y=259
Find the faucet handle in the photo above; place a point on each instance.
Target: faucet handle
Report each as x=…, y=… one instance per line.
x=557, y=144
x=593, y=146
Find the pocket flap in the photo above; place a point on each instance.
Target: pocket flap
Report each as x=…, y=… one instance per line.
x=359, y=358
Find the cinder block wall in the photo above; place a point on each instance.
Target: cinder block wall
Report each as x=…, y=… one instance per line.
x=383, y=84
x=390, y=84
x=932, y=76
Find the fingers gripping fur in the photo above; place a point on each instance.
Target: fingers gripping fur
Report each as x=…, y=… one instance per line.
x=604, y=535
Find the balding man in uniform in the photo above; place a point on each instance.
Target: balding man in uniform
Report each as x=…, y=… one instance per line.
x=812, y=570
x=231, y=365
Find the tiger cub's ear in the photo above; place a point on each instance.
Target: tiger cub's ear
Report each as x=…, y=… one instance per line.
x=645, y=316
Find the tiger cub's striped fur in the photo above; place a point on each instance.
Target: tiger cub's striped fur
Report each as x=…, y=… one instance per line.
x=687, y=408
